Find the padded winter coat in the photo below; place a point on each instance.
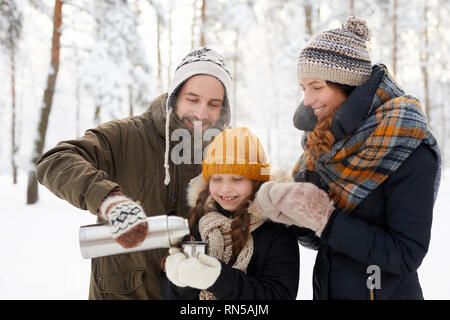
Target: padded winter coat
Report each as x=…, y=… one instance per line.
x=272, y=273
x=128, y=153
x=389, y=229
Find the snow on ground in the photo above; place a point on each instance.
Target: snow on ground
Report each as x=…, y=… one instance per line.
x=40, y=256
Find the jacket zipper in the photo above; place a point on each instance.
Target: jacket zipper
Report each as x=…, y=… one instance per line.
x=372, y=294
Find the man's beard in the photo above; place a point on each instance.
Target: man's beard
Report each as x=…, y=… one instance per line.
x=196, y=123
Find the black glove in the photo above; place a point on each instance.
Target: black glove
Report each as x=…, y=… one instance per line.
x=304, y=118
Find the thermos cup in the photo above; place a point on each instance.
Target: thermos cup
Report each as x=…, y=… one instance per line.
x=163, y=232
x=194, y=248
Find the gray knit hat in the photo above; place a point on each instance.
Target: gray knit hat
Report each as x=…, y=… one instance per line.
x=199, y=61
x=338, y=55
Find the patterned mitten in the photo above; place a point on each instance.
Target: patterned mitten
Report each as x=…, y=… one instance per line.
x=126, y=218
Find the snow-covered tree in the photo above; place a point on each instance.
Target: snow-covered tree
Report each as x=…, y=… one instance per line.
x=116, y=73
x=10, y=31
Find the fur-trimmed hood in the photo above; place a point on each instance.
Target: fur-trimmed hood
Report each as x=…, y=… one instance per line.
x=197, y=184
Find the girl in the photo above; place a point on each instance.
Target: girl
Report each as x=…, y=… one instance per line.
x=249, y=257
x=371, y=150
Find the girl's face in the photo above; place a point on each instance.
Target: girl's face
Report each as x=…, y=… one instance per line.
x=230, y=190
x=321, y=97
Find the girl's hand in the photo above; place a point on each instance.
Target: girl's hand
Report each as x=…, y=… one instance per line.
x=200, y=273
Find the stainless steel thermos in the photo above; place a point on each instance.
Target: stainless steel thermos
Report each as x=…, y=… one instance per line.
x=163, y=232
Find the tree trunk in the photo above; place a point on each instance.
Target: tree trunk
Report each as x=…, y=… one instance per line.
x=13, y=115
x=97, y=111
x=32, y=191
x=202, y=28
x=308, y=20
x=235, y=78
x=395, y=40
x=77, y=109
x=169, y=63
x=443, y=140
x=444, y=88
x=424, y=58
x=158, y=45
x=130, y=100
x=193, y=25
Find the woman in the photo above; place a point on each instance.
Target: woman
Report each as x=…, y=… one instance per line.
x=369, y=147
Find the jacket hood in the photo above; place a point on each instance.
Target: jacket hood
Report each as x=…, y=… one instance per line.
x=165, y=126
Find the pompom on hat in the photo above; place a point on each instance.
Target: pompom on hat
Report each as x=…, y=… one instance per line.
x=339, y=55
x=236, y=151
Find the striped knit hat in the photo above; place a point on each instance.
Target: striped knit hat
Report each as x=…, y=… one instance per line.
x=236, y=151
x=338, y=55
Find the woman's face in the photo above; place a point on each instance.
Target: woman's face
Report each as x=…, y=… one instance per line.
x=321, y=97
x=230, y=190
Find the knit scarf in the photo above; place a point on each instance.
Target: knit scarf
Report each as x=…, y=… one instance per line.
x=392, y=129
x=215, y=229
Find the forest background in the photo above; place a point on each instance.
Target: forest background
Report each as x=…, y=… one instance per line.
x=67, y=66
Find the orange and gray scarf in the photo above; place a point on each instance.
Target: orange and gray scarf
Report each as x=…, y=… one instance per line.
x=393, y=127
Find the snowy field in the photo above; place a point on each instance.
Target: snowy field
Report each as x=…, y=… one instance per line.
x=40, y=257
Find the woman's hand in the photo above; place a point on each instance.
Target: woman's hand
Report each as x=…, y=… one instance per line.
x=299, y=203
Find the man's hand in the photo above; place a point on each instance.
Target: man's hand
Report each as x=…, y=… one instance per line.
x=126, y=218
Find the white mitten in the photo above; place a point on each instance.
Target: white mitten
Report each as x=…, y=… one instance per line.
x=126, y=218
x=200, y=273
x=172, y=264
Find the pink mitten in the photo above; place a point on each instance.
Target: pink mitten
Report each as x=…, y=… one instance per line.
x=299, y=203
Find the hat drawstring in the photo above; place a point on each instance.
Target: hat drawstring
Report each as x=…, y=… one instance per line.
x=166, y=156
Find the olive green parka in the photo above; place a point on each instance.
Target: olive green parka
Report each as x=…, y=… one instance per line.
x=126, y=153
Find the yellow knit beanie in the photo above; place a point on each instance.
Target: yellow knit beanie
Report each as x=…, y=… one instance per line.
x=236, y=151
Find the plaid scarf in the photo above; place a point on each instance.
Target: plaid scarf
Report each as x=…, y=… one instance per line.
x=392, y=129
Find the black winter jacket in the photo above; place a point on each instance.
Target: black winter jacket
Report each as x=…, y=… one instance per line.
x=272, y=273
x=390, y=228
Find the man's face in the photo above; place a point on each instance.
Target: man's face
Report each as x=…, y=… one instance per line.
x=200, y=99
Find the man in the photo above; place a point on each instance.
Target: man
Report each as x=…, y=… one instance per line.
x=121, y=171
